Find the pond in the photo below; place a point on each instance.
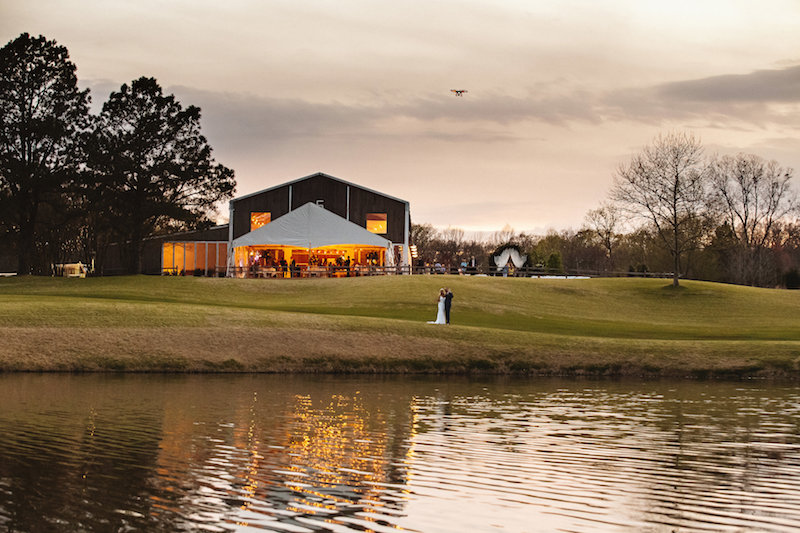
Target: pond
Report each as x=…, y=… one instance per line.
x=340, y=454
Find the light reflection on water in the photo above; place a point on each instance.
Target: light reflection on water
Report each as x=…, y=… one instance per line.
x=300, y=453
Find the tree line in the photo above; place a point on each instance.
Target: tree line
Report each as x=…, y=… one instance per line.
x=671, y=209
x=72, y=183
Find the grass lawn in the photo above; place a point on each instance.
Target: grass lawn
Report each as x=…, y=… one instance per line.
x=378, y=324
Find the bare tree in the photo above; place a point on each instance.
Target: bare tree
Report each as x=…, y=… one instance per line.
x=454, y=235
x=753, y=195
x=604, y=223
x=666, y=184
x=507, y=234
x=451, y=244
x=422, y=236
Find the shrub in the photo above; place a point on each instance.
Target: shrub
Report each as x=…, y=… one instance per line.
x=554, y=263
x=791, y=279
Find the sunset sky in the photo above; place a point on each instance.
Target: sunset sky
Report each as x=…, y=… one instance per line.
x=560, y=92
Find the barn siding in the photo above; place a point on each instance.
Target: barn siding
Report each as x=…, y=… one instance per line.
x=319, y=187
x=364, y=201
x=275, y=201
x=333, y=192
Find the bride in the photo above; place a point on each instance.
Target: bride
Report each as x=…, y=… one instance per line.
x=440, y=312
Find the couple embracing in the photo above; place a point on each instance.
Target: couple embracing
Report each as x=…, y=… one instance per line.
x=443, y=310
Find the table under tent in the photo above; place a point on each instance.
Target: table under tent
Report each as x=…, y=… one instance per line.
x=309, y=241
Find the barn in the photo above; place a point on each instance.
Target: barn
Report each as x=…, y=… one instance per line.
x=313, y=225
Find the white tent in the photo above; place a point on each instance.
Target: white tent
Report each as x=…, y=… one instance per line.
x=312, y=226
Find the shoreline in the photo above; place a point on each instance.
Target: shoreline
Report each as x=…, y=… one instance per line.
x=698, y=376
x=127, y=350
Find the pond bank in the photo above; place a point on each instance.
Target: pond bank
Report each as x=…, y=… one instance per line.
x=597, y=327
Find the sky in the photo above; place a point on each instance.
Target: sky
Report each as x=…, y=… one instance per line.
x=560, y=92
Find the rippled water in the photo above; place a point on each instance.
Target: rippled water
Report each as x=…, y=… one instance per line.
x=297, y=454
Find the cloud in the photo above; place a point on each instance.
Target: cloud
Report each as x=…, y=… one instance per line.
x=250, y=122
x=736, y=100
x=504, y=109
x=255, y=123
x=243, y=116
x=757, y=98
x=782, y=85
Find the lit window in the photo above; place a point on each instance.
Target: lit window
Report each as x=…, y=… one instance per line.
x=376, y=222
x=258, y=219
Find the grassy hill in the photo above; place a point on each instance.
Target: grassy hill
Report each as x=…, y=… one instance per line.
x=500, y=325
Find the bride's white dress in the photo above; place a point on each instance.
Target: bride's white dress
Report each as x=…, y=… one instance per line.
x=440, y=313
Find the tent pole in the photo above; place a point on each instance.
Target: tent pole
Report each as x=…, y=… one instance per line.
x=406, y=255
x=230, y=240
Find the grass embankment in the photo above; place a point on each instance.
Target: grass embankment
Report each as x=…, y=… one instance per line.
x=531, y=326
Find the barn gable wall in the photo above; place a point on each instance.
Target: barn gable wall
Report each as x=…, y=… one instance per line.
x=334, y=195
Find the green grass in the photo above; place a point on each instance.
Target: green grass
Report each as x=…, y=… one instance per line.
x=500, y=325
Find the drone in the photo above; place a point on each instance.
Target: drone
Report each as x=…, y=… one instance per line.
x=458, y=92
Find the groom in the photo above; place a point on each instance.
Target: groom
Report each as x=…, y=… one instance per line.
x=448, y=301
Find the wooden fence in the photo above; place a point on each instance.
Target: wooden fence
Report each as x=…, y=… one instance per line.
x=358, y=271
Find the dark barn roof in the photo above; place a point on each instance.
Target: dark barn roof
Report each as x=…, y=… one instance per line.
x=348, y=200
x=318, y=174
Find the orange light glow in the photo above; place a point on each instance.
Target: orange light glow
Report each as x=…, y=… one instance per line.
x=376, y=222
x=258, y=219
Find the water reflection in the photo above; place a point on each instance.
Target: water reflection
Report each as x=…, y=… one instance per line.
x=278, y=453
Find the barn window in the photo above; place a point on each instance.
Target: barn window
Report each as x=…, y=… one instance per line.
x=258, y=219
x=376, y=222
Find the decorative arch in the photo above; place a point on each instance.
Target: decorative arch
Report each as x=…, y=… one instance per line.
x=510, y=252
